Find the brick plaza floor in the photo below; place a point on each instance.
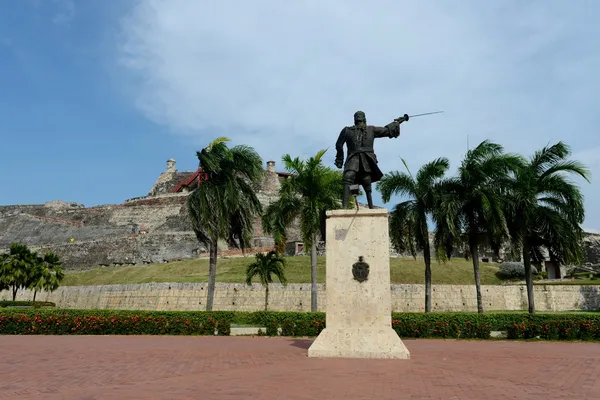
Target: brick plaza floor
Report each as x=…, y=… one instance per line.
x=150, y=367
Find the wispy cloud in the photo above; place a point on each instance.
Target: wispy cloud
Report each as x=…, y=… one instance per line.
x=285, y=77
x=65, y=11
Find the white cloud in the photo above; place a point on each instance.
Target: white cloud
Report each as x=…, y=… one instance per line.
x=592, y=230
x=285, y=77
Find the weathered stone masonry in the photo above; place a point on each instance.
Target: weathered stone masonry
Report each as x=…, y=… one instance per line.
x=296, y=297
x=149, y=229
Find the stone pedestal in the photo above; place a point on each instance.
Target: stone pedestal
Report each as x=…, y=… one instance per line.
x=359, y=314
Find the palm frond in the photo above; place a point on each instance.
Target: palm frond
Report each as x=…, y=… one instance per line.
x=396, y=183
x=432, y=171
x=265, y=266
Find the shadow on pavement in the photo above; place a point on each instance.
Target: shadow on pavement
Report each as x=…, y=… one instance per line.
x=301, y=343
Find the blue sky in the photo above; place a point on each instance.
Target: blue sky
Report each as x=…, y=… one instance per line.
x=96, y=95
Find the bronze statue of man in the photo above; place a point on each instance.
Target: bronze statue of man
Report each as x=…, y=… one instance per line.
x=361, y=161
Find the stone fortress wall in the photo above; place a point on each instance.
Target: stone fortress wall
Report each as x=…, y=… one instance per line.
x=296, y=297
x=148, y=229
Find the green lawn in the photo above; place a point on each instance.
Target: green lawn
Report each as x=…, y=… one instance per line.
x=297, y=270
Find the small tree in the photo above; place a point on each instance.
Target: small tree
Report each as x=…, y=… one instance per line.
x=265, y=266
x=16, y=268
x=46, y=274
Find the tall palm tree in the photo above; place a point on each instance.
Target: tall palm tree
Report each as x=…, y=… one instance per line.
x=546, y=209
x=471, y=204
x=225, y=206
x=408, y=220
x=265, y=266
x=311, y=189
x=46, y=274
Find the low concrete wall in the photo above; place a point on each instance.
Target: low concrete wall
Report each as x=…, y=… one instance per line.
x=296, y=297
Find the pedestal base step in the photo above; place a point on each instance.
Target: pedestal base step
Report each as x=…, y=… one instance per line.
x=358, y=343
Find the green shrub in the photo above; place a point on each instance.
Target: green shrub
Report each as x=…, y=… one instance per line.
x=542, y=275
x=514, y=270
x=565, y=326
x=441, y=325
x=36, y=304
x=107, y=322
x=297, y=324
x=558, y=329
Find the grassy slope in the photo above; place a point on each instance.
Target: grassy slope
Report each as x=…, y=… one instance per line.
x=458, y=271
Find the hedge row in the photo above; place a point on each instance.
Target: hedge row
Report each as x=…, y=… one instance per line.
x=105, y=322
x=35, y=304
x=574, y=326
x=565, y=326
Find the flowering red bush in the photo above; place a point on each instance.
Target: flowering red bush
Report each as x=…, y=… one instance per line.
x=567, y=326
x=106, y=323
x=560, y=329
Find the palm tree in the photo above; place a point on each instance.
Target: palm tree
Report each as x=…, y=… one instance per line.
x=310, y=190
x=408, y=220
x=471, y=204
x=225, y=206
x=15, y=268
x=46, y=274
x=266, y=265
x=546, y=209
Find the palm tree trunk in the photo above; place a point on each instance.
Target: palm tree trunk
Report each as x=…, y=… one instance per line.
x=313, y=274
x=475, y=258
x=212, y=275
x=427, y=258
x=34, y=293
x=528, y=278
x=266, y=297
x=15, y=288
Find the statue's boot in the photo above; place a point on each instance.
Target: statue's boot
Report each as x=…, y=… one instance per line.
x=369, y=198
x=368, y=192
x=346, y=195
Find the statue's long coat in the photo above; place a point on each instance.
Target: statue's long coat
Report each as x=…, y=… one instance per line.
x=361, y=155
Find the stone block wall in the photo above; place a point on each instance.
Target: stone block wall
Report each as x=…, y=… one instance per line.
x=296, y=297
x=144, y=230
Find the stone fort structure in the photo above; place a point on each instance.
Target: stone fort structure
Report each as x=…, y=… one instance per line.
x=142, y=230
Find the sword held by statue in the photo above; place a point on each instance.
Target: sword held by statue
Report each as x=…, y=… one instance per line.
x=406, y=117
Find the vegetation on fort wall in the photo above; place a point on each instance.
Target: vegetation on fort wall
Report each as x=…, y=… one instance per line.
x=297, y=270
x=550, y=326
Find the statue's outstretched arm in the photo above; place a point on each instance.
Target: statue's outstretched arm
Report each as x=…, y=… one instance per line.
x=391, y=130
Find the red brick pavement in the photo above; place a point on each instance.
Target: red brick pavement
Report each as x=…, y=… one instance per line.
x=206, y=368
